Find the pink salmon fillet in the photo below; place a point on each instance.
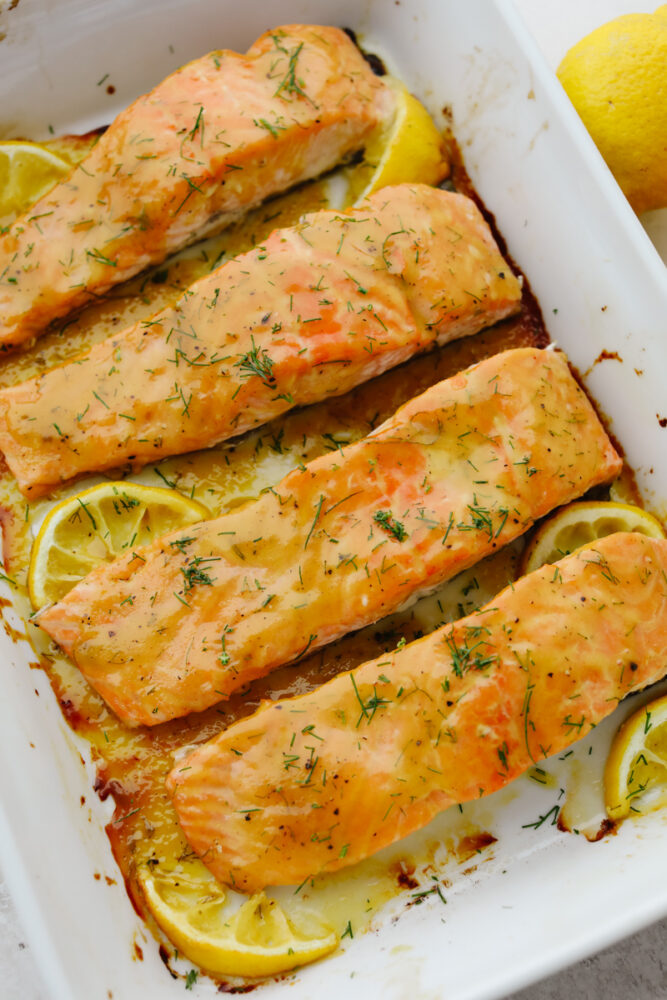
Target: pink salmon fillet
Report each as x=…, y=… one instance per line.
x=455, y=474
x=215, y=138
x=315, y=783
x=316, y=310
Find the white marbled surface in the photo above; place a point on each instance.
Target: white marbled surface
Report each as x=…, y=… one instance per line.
x=633, y=969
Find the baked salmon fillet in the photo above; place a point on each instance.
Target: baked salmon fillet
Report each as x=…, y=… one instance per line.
x=456, y=473
x=317, y=309
x=314, y=783
x=215, y=138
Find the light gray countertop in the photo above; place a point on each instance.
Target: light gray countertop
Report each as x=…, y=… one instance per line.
x=633, y=968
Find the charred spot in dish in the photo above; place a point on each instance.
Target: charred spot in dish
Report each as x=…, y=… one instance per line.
x=373, y=60
x=165, y=957
x=606, y=827
x=12, y=633
x=72, y=715
x=107, y=786
x=246, y=988
x=473, y=843
x=605, y=355
x=404, y=872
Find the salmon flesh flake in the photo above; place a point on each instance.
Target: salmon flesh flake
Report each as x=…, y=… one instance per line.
x=456, y=473
x=317, y=309
x=315, y=783
x=214, y=139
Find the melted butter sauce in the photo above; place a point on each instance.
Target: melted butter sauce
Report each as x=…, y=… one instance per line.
x=132, y=764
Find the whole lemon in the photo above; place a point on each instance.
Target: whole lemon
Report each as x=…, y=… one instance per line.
x=616, y=78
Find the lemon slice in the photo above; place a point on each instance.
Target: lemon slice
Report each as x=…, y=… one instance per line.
x=583, y=522
x=97, y=525
x=408, y=150
x=27, y=171
x=635, y=778
x=258, y=940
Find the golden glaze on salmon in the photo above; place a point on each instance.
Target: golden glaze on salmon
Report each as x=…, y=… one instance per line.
x=315, y=310
x=315, y=783
x=456, y=473
x=215, y=138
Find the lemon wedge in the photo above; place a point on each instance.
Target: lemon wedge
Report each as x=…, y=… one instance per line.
x=408, y=150
x=257, y=940
x=635, y=778
x=27, y=171
x=97, y=525
x=583, y=522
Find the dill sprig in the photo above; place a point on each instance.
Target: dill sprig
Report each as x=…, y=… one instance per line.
x=100, y=257
x=257, y=362
x=224, y=657
x=290, y=84
x=552, y=814
x=386, y=520
x=194, y=575
x=370, y=707
x=465, y=657
x=122, y=503
x=180, y=543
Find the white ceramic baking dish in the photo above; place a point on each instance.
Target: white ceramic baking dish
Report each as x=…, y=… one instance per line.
x=543, y=898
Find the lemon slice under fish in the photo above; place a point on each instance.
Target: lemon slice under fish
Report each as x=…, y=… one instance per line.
x=408, y=150
x=96, y=526
x=583, y=522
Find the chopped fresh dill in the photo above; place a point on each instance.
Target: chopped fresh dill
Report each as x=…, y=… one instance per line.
x=386, y=520
x=257, y=362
